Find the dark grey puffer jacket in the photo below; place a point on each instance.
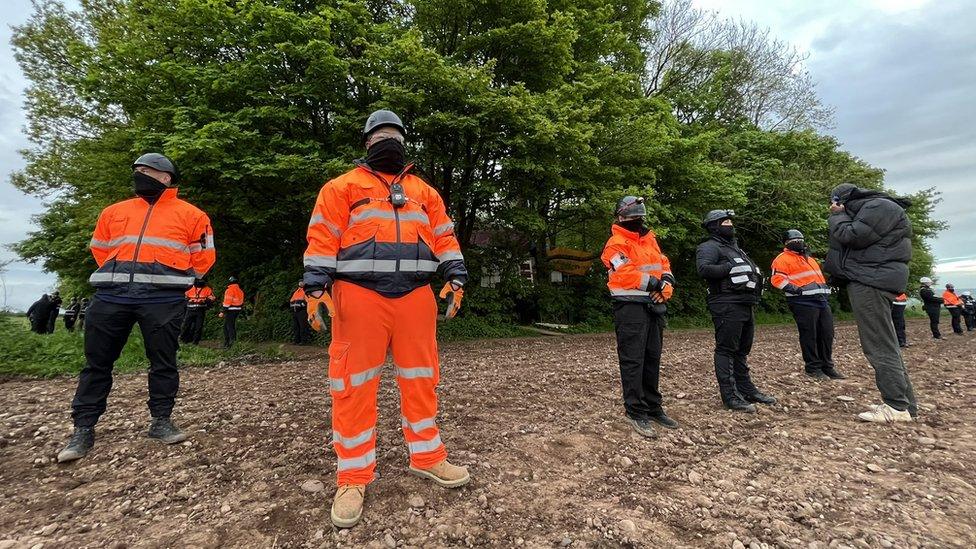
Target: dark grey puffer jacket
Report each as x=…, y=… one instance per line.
x=870, y=242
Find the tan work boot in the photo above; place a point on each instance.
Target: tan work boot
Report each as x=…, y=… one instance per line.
x=444, y=474
x=882, y=413
x=347, y=507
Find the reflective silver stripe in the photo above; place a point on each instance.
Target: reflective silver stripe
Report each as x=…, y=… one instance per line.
x=801, y=275
x=750, y=284
x=645, y=281
x=414, y=216
x=649, y=268
x=319, y=220
x=418, y=426
x=816, y=291
x=369, y=214
x=900, y=303
x=210, y=240
x=415, y=372
x=448, y=256
x=741, y=269
x=443, y=229
x=738, y=260
x=740, y=279
x=351, y=442
x=320, y=261
x=165, y=242
x=362, y=377
x=100, y=244
x=142, y=278
x=195, y=248
x=315, y=220
x=367, y=266
x=628, y=292
x=337, y=384
x=422, y=265
x=345, y=464
x=233, y=308
x=424, y=445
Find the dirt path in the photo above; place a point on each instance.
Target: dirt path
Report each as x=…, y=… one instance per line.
x=539, y=422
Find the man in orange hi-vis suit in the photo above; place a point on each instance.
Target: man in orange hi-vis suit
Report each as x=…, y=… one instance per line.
x=149, y=250
x=377, y=236
x=798, y=274
x=954, y=305
x=232, y=306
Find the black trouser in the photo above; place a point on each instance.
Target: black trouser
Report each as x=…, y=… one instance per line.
x=970, y=319
x=69, y=322
x=230, y=327
x=934, y=312
x=300, y=329
x=640, y=333
x=956, y=315
x=735, y=329
x=898, y=318
x=39, y=325
x=52, y=321
x=193, y=325
x=816, y=328
x=106, y=332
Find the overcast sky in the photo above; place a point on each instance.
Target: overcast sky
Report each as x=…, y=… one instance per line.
x=900, y=73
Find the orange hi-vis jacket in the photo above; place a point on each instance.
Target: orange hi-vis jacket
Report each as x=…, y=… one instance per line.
x=199, y=298
x=357, y=234
x=153, y=250
x=233, y=298
x=951, y=300
x=635, y=264
x=798, y=275
x=901, y=300
x=298, y=300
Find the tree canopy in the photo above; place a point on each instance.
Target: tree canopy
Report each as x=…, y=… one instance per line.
x=530, y=117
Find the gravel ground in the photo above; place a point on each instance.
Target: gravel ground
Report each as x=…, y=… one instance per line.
x=540, y=425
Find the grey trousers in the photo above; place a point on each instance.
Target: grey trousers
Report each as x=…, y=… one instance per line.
x=872, y=312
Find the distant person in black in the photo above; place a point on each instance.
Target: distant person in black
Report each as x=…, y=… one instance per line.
x=932, y=304
x=82, y=311
x=55, y=311
x=39, y=314
x=734, y=288
x=969, y=310
x=71, y=313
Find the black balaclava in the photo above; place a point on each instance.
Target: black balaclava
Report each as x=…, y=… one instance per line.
x=635, y=225
x=797, y=246
x=387, y=156
x=722, y=231
x=147, y=187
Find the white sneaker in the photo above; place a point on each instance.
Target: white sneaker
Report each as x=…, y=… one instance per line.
x=882, y=413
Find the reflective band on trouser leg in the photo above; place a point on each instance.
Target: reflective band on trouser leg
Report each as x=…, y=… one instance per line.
x=361, y=329
x=417, y=371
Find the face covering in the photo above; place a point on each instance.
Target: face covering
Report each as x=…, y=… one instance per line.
x=725, y=231
x=387, y=156
x=148, y=188
x=635, y=225
x=799, y=247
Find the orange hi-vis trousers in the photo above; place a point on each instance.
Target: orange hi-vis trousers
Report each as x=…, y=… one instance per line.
x=365, y=326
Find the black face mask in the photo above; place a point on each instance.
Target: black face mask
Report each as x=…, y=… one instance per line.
x=387, y=156
x=635, y=225
x=148, y=188
x=199, y=284
x=799, y=247
x=725, y=231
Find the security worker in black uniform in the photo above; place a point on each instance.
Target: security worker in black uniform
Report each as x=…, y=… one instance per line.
x=932, y=304
x=734, y=287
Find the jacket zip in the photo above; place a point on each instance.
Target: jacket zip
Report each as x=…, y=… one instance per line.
x=142, y=233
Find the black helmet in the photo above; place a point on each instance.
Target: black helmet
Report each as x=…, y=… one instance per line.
x=630, y=206
x=792, y=234
x=159, y=162
x=381, y=119
x=717, y=215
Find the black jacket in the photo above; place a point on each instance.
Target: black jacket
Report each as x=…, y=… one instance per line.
x=870, y=241
x=732, y=277
x=40, y=311
x=929, y=299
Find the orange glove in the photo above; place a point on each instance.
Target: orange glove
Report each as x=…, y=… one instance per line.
x=318, y=309
x=454, y=293
x=664, y=295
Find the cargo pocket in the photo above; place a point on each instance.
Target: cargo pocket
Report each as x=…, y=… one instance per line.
x=339, y=383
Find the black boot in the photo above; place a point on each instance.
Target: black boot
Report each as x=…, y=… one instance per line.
x=662, y=419
x=760, y=398
x=162, y=429
x=833, y=374
x=816, y=374
x=82, y=440
x=643, y=427
x=737, y=404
